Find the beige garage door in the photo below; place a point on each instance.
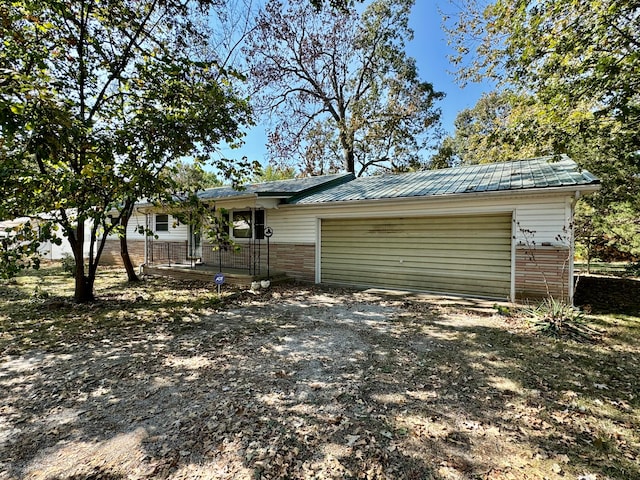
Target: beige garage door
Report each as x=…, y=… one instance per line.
x=468, y=255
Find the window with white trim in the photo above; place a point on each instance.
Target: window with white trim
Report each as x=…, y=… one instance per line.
x=162, y=222
x=246, y=224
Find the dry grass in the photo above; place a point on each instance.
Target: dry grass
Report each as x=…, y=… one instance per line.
x=166, y=380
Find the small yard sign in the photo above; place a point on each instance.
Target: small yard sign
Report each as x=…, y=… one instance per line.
x=218, y=278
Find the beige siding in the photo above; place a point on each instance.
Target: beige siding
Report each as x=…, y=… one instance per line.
x=544, y=215
x=177, y=231
x=458, y=254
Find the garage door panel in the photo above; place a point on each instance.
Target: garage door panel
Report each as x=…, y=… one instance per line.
x=446, y=244
x=435, y=284
x=389, y=272
x=487, y=262
x=466, y=254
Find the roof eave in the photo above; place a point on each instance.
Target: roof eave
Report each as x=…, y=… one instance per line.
x=572, y=189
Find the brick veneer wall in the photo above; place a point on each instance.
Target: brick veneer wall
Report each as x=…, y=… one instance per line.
x=540, y=263
x=296, y=260
x=111, y=252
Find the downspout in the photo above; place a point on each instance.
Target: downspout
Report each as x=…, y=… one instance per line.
x=575, y=199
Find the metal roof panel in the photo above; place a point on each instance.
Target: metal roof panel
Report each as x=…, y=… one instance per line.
x=542, y=172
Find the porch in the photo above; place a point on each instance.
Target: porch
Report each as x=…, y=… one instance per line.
x=241, y=264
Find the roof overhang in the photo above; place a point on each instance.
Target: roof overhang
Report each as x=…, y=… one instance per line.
x=568, y=190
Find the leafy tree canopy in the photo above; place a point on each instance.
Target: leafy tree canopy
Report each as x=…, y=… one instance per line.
x=340, y=88
x=271, y=173
x=96, y=99
x=575, y=69
x=579, y=63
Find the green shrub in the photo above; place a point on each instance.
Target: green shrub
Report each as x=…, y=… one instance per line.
x=632, y=270
x=68, y=264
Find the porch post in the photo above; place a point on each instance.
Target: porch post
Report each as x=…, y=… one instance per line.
x=146, y=239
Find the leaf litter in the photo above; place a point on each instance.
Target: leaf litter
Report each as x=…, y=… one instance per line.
x=167, y=381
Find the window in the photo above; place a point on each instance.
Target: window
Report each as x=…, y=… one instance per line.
x=259, y=216
x=162, y=223
x=242, y=224
x=245, y=224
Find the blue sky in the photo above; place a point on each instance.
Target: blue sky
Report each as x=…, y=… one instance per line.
x=429, y=48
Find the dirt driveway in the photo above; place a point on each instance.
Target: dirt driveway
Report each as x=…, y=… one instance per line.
x=296, y=383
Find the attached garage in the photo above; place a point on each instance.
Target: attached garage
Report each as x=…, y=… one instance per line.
x=450, y=254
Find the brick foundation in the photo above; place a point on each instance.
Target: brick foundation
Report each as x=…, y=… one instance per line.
x=111, y=252
x=296, y=260
x=541, y=268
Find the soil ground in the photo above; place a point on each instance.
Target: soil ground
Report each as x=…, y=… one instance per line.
x=305, y=382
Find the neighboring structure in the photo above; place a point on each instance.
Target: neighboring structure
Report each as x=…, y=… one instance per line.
x=48, y=250
x=499, y=230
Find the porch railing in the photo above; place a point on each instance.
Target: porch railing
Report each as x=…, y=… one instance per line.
x=161, y=253
x=237, y=257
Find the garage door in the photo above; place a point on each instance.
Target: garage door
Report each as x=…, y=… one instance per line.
x=468, y=255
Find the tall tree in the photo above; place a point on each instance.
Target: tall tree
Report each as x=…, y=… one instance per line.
x=488, y=132
x=578, y=59
x=97, y=98
x=579, y=64
x=340, y=86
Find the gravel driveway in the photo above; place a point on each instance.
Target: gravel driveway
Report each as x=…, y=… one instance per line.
x=296, y=383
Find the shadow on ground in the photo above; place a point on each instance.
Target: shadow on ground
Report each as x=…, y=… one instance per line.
x=306, y=383
x=602, y=294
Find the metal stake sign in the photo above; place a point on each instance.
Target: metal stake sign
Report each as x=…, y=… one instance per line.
x=218, y=278
x=268, y=232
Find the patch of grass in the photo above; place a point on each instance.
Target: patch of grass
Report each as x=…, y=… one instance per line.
x=37, y=307
x=605, y=268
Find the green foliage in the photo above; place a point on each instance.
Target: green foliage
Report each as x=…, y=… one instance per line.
x=633, y=269
x=192, y=176
x=491, y=132
x=271, y=173
x=610, y=233
x=341, y=88
x=502, y=310
x=558, y=318
x=68, y=264
x=20, y=245
x=96, y=101
x=575, y=70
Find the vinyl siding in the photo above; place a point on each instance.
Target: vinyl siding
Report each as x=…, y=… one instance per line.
x=175, y=234
x=545, y=216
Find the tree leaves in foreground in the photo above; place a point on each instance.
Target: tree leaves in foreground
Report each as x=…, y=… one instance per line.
x=96, y=100
x=340, y=88
x=576, y=65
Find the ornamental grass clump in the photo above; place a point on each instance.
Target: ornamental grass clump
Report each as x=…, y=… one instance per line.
x=558, y=318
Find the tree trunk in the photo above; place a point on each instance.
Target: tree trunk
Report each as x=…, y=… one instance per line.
x=83, y=292
x=347, y=150
x=126, y=260
x=124, y=248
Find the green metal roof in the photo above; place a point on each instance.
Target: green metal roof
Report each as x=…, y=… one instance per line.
x=279, y=188
x=537, y=173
